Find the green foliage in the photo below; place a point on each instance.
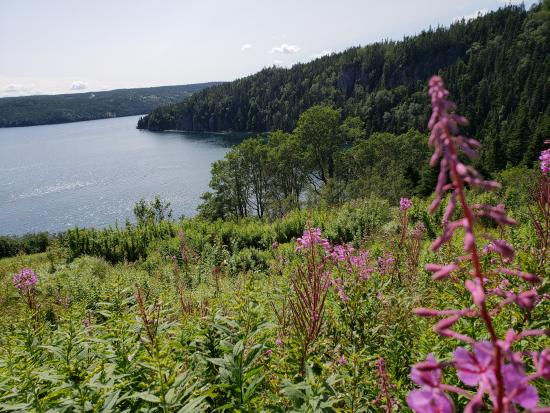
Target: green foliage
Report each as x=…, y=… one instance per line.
x=313, y=165
x=357, y=221
x=318, y=135
x=128, y=243
x=154, y=211
x=25, y=244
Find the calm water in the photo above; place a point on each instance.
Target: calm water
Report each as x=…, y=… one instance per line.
x=91, y=173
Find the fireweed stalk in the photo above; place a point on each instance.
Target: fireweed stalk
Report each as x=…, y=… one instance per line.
x=404, y=205
x=311, y=284
x=384, y=385
x=540, y=214
x=492, y=366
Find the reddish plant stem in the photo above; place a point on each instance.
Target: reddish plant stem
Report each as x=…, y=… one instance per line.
x=459, y=187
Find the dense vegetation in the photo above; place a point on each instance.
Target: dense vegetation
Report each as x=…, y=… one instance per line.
x=74, y=107
x=198, y=317
x=497, y=67
x=322, y=161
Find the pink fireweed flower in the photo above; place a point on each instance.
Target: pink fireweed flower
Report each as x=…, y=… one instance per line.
x=518, y=390
x=352, y=261
x=342, y=360
x=545, y=161
x=429, y=398
x=268, y=352
x=385, y=263
x=360, y=264
x=427, y=373
x=405, y=204
x=441, y=271
x=532, y=278
x=338, y=284
x=279, y=342
x=309, y=237
x=477, y=367
x=527, y=299
x=476, y=290
x=25, y=280
x=341, y=252
x=502, y=248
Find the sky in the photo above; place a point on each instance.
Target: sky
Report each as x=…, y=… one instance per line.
x=64, y=46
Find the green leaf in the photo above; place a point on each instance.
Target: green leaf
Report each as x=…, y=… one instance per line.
x=149, y=397
x=110, y=402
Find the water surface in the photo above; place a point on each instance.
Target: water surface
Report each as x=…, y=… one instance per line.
x=90, y=174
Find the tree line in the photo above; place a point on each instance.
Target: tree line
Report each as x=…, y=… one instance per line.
x=497, y=66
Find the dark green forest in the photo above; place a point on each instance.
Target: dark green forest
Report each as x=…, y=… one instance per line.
x=74, y=107
x=497, y=67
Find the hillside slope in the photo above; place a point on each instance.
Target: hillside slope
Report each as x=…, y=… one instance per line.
x=49, y=109
x=497, y=66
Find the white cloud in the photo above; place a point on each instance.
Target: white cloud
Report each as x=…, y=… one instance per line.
x=19, y=89
x=278, y=63
x=471, y=16
x=16, y=88
x=78, y=85
x=246, y=46
x=285, y=48
x=322, y=53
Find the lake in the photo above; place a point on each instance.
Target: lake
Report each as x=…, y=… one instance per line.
x=90, y=174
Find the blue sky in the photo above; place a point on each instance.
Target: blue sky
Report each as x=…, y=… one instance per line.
x=61, y=46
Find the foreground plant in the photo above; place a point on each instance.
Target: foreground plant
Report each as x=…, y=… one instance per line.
x=491, y=366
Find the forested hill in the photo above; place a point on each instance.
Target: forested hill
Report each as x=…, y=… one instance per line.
x=497, y=65
x=48, y=109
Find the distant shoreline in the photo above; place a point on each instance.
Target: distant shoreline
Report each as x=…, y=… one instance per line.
x=72, y=121
x=38, y=110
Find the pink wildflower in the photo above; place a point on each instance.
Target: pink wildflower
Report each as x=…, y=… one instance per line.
x=517, y=388
x=545, y=161
x=385, y=263
x=311, y=236
x=429, y=398
x=405, y=204
x=25, y=280
x=474, y=368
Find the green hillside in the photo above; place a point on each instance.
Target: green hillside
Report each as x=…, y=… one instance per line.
x=497, y=67
x=74, y=107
